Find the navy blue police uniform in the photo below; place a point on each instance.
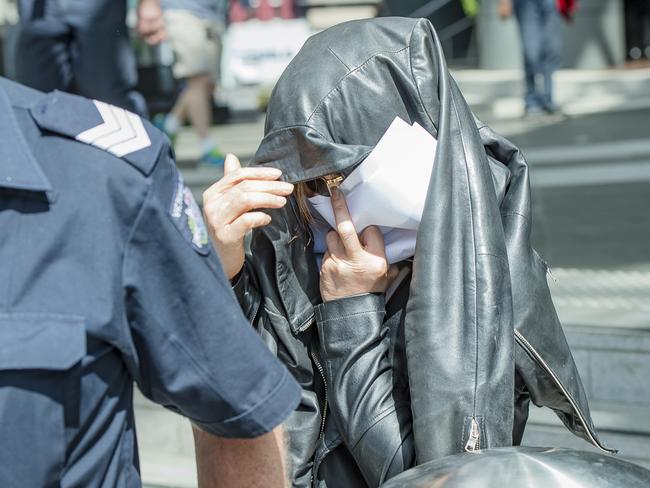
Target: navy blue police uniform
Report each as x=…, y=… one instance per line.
x=79, y=46
x=108, y=276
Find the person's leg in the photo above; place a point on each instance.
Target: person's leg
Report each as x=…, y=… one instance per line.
x=633, y=28
x=104, y=63
x=43, y=47
x=552, y=51
x=196, y=47
x=645, y=28
x=178, y=113
x=528, y=18
x=198, y=96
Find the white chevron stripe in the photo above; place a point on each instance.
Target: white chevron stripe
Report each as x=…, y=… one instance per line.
x=109, y=125
x=140, y=141
x=121, y=132
x=125, y=133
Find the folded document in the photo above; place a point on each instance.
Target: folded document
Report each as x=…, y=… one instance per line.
x=388, y=189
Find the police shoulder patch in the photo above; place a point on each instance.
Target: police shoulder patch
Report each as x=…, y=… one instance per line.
x=107, y=127
x=187, y=217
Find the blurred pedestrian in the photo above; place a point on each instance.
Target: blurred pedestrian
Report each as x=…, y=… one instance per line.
x=83, y=46
x=109, y=278
x=541, y=36
x=194, y=29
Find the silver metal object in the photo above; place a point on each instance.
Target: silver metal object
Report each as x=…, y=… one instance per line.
x=525, y=467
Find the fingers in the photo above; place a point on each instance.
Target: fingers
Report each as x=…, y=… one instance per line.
x=373, y=241
x=234, y=205
x=334, y=244
x=344, y=225
x=280, y=188
x=231, y=164
x=392, y=273
x=238, y=175
x=235, y=175
x=246, y=222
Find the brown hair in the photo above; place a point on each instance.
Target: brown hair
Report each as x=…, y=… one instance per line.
x=301, y=195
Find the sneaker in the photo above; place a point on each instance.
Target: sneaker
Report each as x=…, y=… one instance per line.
x=213, y=157
x=159, y=123
x=533, y=113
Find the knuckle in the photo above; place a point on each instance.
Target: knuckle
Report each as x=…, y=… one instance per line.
x=377, y=267
x=346, y=229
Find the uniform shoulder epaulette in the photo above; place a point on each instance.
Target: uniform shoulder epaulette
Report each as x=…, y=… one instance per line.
x=113, y=129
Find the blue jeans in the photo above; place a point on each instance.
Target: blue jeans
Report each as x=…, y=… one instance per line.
x=541, y=35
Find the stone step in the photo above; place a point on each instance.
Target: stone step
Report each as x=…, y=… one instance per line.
x=623, y=428
x=166, y=446
x=499, y=93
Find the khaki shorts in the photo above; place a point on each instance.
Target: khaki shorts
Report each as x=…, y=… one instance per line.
x=196, y=44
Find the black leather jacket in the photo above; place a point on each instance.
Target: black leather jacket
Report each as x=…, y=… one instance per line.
x=451, y=361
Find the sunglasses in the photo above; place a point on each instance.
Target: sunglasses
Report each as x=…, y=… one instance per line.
x=325, y=184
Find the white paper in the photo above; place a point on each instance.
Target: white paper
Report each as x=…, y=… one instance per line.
x=389, y=188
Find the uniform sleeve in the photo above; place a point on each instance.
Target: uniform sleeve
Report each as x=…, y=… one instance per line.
x=193, y=350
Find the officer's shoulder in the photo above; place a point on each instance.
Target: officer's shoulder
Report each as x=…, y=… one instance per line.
x=116, y=131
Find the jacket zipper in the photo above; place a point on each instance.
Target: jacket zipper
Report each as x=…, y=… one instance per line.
x=528, y=346
x=474, y=440
x=321, y=370
x=254, y=315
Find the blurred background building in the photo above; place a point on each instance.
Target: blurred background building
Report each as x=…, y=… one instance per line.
x=590, y=175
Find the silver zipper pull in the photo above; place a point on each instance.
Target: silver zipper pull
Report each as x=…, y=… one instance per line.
x=474, y=441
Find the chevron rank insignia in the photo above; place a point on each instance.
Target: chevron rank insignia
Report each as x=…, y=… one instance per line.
x=121, y=132
x=107, y=127
x=188, y=219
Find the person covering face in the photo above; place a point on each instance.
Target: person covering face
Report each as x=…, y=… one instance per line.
x=402, y=364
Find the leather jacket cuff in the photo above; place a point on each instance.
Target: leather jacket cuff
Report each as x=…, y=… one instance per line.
x=364, y=303
x=246, y=292
x=342, y=323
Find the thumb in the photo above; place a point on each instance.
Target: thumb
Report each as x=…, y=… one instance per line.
x=231, y=164
x=373, y=241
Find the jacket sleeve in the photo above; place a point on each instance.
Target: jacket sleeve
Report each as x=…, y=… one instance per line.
x=372, y=416
x=246, y=290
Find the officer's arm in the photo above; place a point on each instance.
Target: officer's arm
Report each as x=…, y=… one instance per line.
x=192, y=349
x=241, y=462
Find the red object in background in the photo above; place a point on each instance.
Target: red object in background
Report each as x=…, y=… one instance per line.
x=286, y=9
x=266, y=10
x=237, y=12
x=567, y=8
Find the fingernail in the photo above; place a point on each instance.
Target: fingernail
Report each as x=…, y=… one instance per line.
x=230, y=158
x=335, y=193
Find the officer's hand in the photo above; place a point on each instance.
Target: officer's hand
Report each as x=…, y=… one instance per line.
x=151, y=24
x=353, y=264
x=230, y=205
x=505, y=9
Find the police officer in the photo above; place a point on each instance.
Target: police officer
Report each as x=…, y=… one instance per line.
x=83, y=46
x=107, y=275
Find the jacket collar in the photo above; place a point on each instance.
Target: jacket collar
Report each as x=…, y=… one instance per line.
x=295, y=267
x=19, y=169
